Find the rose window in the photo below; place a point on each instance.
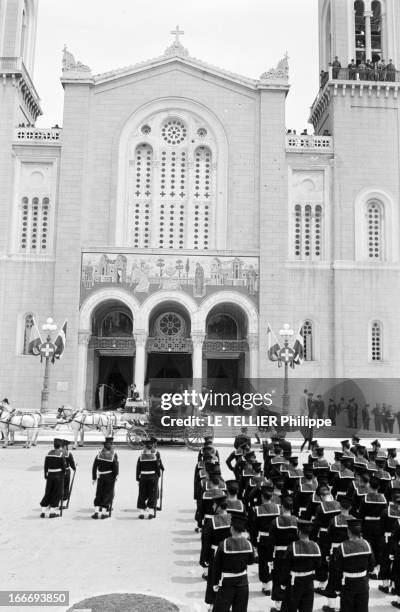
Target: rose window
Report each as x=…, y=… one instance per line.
x=174, y=131
x=170, y=324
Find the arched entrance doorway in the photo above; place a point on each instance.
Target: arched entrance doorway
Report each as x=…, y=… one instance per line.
x=169, y=350
x=225, y=348
x=111, y=353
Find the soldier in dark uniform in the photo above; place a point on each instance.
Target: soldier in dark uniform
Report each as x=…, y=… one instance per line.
x=264, y=515
x=336, y=66
x=353, y=561
x=390, y=521
x=392, y=461
x=306, y=488
x=370, y=510
x=302, y=560
x=395, y=574
x=235, y=506
x=230, y=570
x=218, y=531
x=70, y=465
x=328, y=508
x=54, y=471
x=242, y=438
x=105, y=471
x=148, y=471
x=335, y=467
x=283, y=531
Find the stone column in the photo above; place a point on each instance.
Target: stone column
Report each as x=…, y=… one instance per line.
x=368, y=40
x=140, y=360
x=253, y=342
x=197, y=359
x=83, y=341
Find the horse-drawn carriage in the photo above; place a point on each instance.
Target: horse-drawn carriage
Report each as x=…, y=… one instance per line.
x=145, y=422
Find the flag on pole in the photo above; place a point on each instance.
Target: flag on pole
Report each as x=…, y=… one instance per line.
x=60, y=342
x=34, y=345
x=298, y=348
x=273, y=345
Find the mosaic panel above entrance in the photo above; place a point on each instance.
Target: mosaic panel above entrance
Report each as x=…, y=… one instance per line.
x=145, y=273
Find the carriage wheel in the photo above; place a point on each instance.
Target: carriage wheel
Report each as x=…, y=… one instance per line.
x=194, y=436
x=135, y=435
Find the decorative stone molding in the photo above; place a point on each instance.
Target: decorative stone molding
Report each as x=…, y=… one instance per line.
x=69, y=63
x=84, y=336
x=280, y=73
x=197, y=339
x=253, y=341
x=140, y=338
x=176, y=49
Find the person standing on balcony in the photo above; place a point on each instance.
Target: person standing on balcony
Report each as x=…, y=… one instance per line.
x=352, y=70
x=390, y=71
x=336, y=66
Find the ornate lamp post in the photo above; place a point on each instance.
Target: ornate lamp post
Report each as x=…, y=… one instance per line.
x=47, y=350
x=286, y=355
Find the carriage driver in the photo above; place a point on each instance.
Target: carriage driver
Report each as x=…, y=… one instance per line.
x=105, y=471
x=54, y=471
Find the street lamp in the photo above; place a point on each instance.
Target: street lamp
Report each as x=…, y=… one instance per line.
x=286, y=355
x=47, y=350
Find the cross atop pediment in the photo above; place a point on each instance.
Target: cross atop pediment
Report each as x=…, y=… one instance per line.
x=177, y=33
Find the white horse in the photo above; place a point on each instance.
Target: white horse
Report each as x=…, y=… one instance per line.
x=85, y=420
x=12, y=420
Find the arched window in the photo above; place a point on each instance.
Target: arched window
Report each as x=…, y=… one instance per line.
x=374, y=216
x=223, y=327
x=140, y=209
x=359, y=22
x=307, y=331
x=171, y=183
x=34, y=225
x=308, y=226
x=376, y=342
x=116, y=324
x=376, y=31
x=27, y=332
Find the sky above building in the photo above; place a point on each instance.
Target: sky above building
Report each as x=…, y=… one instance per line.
x=244, y=36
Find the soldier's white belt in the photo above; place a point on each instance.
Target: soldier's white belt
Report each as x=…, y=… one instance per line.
x=54, y=470
x=279, y=548
x=263, y=533
x=387, y=535
x=108, y=472
x=145, y=472
x=355, y=574
x=233, y=575
x=323, y=529
x=209, y=516
x=371, y=518
x=214, y=547
x=295, y=575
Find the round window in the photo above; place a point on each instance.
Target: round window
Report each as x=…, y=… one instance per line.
x=170, y=324
x=173, y=131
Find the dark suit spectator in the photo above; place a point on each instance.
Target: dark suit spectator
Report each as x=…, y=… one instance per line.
x=377, y=413
x=390, y=71
x=352, y=413
x=383, y=417
x=398, y=419
x=389, y=418
x=332, y=411
x=336, y=66
x=365, y=416
x=352, y=70
x=311, y=407
x=320, y=407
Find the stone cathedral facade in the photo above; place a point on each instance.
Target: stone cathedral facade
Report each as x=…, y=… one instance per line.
x=171, y=217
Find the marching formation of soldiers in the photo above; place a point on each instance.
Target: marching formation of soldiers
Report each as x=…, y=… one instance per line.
x=59, y=462
x=320, y=527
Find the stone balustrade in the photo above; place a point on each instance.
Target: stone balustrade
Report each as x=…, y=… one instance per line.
x=296, y=142
x=37, y=135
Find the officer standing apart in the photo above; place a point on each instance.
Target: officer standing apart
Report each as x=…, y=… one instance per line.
x=70, y=465
x=54, y=471
x=105, y=471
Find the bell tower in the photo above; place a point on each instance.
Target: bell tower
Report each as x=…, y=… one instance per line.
x=18, y=21
x=358, y=29
x=18, y=98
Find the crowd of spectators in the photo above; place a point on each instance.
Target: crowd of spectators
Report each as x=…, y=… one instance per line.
x=380, y=418
x=362, y=71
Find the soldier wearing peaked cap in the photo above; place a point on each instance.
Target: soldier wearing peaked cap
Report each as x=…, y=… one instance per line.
x=230, y=579
x=389, y=522
x=148, y=470
x=305, y=491
x=353, y=561
x=283, y=531
x=54, y=471
x=302, y=560
x=105, y=472
x=264, y=515
x=218, y=531
x=370, y=510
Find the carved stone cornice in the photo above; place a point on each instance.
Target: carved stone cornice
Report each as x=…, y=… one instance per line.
x=84, y=336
